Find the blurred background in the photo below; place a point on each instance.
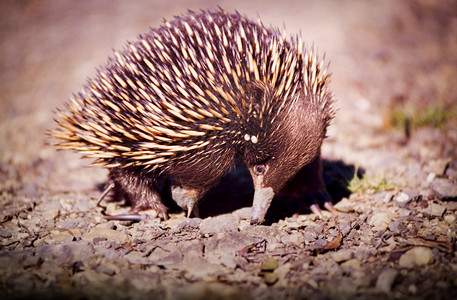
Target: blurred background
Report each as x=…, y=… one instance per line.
x=393, y=64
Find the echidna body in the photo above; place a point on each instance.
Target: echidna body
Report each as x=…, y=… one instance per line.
x=186, y=99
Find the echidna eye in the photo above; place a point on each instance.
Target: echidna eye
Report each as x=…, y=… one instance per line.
x=259, y=169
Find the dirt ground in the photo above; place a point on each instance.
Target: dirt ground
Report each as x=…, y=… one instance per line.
x=390, y=165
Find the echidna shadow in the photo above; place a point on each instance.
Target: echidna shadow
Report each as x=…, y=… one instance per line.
x=235, y=191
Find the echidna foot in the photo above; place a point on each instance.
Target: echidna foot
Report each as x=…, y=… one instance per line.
x=322, y=198
x=186, y=198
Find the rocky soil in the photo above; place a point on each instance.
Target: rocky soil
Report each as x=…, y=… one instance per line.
x=390, y=165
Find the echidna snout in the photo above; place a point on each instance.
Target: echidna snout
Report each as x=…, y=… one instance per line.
x=295, y=146
x=188, y=98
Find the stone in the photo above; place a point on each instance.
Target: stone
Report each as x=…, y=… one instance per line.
x=283, y=270
x=50, y=214
x=204, y=271
x=66, y=253
x=61, y=236
x=352, y=263
x=102, y=231
x=386, y=279
x=402, y=199
x=270, y=278
x=380, y=221
x=243, y=213
x=444, y=188
x=269, y=265
x=430, y=177
x=219, y=224
x=136, y=257
x=229, y=261
x=437, y=210
x=107, y=270
x=295, y=239
x=344, y=205
x=450, y=219
x=418, y=256
x=403, y=212
x=191, y=223
x=164, y=258
x=439, y=166
x=412, y=288
x=342, y=255
x=396, y=226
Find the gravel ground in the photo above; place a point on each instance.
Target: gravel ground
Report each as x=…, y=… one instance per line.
x=390, y=165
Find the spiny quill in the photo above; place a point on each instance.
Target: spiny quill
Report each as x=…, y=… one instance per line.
x=186, y=99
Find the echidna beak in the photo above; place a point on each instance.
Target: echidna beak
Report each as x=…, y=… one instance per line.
x=262, y=200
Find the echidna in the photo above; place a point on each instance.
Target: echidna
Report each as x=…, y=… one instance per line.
x=186, y=99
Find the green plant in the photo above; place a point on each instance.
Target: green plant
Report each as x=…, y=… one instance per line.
x=370, y=184
x=434, y=115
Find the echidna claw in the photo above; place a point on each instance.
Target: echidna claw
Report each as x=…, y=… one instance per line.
x=193, y=210
x=329, y=206
x=163, y=216
x=196, y=212
x=126, y=217
x=316, y=210
x=322, y=198
x=103, y=195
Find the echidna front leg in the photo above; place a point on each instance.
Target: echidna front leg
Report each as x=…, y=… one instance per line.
x=187, y=198
x=315, y=187
x=141, y=192
x=309, y=183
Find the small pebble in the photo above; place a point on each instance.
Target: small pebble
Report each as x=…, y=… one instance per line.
x=192, y=223
x=270, y=278
x=444, y=189
x=61, y=237
x=174, y=258
x=295, y=239
x=105, y=270
x=229, y=261
x=352, y=263
x=403, y=212
x=450, y=219
x=402, y=199
x=396, y=226
x=418, y=256
x=431, y=176
x=102, y=231
x=412, y=289
x=379, y=221
x=283, y=270
x=451, y=173
x=219, y=224
x=243, y=213
x=309, y=236
x=437, y=210
x=344, y=205
x=386, y=279
x=439, y=166
x=269, y=265
x=342, y=255
x=50, y=214
x=135, y=257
